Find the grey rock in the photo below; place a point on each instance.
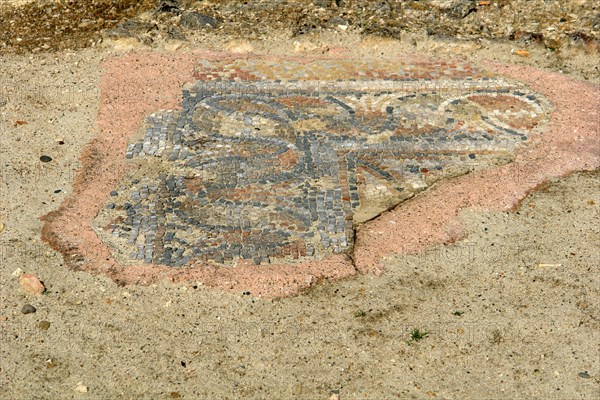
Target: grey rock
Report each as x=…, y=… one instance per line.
x=28, y=309
x=130, y=27
x=596, y=22
x=461, y=8
x=322, y=3
x=175, y=34
x=337, y=20
x=167, y=6
x=194, y=20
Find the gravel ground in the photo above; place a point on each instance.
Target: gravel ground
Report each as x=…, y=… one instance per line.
x=58, y=24
x=561, y=30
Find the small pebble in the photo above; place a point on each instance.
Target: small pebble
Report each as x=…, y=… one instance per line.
x=28, y=309
x=31, y=284
x=81, y=388
x=297, y=389
x=45, y=158
x=584, y=375
x=57, y=191
x=3, y=318
x=1, y=227
x=44, y=325
x=113, y=193
x=175, y=395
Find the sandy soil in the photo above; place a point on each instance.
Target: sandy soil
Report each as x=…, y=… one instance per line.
x=511, y=310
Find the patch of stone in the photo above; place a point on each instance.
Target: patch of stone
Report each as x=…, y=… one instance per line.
x=176, y=34
x=273, y=162
x=460, y=9
x=130, y=27
x=44, y=325
x=167, y=6
x=31, y=284
x=28, y=309
x=194, y=20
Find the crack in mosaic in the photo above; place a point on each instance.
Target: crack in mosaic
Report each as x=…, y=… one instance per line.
x=272, y=163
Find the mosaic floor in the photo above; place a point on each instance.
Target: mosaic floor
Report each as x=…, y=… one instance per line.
x=274, y=161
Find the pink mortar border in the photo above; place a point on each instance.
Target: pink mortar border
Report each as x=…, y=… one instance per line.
x=138, y=84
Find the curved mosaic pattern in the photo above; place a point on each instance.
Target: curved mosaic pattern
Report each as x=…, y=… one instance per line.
x=267, y=169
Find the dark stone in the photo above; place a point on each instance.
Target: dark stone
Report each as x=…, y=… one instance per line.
x=194, y=20
x=323, y=3
x=306, y=27
x=28, y=309
x=175, y=34
x=584, y=375
x=167, y=6
x=337, y=20
x=596, y=22
x=130, y=27
x=461, y=8
x=45, y=158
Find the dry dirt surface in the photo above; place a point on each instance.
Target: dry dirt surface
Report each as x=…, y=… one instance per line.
x=509, y=311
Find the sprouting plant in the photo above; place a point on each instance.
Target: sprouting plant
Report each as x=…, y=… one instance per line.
x=416, y=335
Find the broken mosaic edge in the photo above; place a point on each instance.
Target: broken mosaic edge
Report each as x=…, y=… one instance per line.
x=569, y=144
